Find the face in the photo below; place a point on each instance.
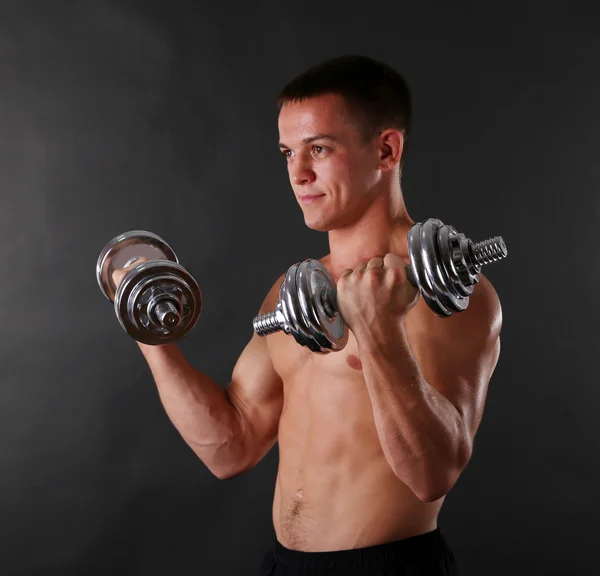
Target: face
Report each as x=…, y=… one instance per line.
x=334, y=175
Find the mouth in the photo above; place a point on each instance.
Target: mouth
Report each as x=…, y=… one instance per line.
x=310, y=198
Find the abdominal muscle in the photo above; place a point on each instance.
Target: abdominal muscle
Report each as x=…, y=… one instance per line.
x=335, y=489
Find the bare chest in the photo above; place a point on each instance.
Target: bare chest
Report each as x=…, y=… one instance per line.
x=297, y=365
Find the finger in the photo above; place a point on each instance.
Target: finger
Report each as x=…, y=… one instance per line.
x=393, y=261
x=375, y=263
x=346, y=272
x=362, y=266
x=120, y=273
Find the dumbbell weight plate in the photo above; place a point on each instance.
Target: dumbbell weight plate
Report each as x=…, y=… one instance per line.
x=465, y=264
x=415, y=250
x=432, y=265
x=461, y=283
x=432, y=260
x=313, y=281
x=288, y=296
x=143, y=286
x=125, y=247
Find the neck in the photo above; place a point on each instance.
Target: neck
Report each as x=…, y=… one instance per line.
x=381, y=229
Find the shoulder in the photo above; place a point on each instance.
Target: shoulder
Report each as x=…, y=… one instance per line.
x=272, y=297
x=484, y=313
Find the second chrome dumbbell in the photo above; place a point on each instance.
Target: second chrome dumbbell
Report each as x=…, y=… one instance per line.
x=158, y=301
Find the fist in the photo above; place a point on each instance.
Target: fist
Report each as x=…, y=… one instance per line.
x=375, y=293
x=119, y=273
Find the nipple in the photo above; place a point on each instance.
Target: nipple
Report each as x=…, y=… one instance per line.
x=354, y=362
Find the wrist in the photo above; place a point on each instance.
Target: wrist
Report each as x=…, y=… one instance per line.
x=381, y=336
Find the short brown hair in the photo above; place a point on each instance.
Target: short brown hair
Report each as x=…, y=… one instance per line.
x=377, y=94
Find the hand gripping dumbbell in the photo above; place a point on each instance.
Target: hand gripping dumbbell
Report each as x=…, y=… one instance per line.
x=158, y=301
x=444, y=267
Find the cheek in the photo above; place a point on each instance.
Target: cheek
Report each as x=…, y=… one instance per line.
x=339, y=175
x=367, y=176
x=332, y=172
x=360, y=172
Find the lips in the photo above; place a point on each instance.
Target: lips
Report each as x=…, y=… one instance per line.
x=308, y=198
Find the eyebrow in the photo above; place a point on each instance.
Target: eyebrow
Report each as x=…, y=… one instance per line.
x=310, y=139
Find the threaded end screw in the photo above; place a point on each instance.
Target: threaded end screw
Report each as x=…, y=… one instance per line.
x=489, y=250
x=268, y=323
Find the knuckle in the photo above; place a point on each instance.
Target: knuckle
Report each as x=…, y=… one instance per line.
x=343, y=281
x=397, y=275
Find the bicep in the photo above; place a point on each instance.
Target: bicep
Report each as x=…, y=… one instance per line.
x=459, y=354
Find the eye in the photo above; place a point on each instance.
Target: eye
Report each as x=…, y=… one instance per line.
x=287, y=153
x=319, y=150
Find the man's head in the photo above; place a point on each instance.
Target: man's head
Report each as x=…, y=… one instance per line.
x=343, y=126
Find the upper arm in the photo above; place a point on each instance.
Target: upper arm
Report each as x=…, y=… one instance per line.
x=256, y=391
x=458, y=354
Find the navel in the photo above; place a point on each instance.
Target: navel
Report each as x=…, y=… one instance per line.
x=354, y=362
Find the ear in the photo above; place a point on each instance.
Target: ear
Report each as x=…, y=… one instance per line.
x=391, y=145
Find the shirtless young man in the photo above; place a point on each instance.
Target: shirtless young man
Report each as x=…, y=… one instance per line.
x=372, y=437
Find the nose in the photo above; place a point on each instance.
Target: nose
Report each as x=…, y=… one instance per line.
x=301, y=172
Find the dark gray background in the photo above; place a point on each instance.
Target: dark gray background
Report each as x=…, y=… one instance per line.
x=160, y=115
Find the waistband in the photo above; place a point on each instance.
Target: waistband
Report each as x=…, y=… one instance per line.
x=370, y=557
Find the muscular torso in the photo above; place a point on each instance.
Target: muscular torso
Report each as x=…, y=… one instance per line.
x=335, y=489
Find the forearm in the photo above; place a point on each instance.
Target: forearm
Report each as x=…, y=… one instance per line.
x=199, y=409
x=421, y=432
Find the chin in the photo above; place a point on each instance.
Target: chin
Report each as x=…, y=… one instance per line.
x=318, y=228
x=319, y=224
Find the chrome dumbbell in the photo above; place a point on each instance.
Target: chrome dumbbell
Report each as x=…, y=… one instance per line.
x=444, y=267
x=158, y=301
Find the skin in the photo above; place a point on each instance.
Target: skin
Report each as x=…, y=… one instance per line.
x=373, y=437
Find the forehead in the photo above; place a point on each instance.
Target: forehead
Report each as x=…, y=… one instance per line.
x=315, y=115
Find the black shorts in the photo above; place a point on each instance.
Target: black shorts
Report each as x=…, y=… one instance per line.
x=423, y=555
